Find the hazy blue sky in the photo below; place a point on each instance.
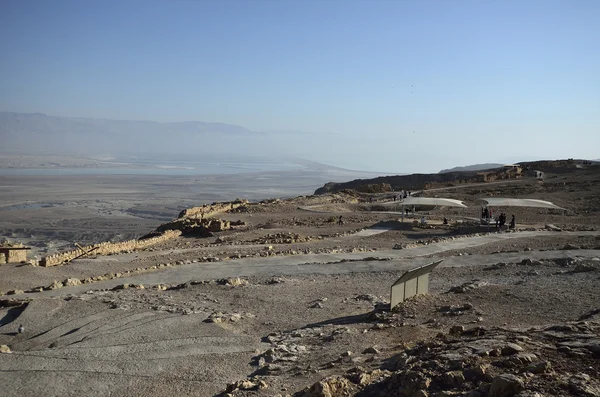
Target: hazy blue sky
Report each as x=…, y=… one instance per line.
x=386, y=78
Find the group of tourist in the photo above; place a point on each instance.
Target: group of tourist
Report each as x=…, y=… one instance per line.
x=501, y=221
x=486, y=213
x=402, y=195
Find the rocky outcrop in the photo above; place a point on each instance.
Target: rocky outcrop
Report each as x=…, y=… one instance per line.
x=480, y=362
x=415, y=181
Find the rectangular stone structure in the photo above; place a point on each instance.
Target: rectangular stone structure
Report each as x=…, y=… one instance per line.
x=411, y=283
x=13, y=254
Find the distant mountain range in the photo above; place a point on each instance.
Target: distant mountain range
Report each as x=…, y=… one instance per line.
x=35, y=131
x=475, y=167
x=41, y=123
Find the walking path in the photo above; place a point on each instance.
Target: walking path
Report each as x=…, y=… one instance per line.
x=383, y=260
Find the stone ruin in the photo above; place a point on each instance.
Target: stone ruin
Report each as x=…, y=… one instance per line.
x=12, y=252
x=195, y=221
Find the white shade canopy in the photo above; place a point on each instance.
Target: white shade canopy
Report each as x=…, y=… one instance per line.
x=510, y=202
x=442, y=202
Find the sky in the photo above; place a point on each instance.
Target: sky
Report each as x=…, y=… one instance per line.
x=378, y=85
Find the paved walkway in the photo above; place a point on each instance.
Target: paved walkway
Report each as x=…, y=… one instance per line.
x=397, y=260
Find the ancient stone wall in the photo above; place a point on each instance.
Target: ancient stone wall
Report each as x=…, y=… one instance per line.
x=210, y=210
x=109, y=248
x=12, y=256
x=196, y=226
x=15, y=256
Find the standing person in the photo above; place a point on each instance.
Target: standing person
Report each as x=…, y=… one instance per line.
x=512, y=224
x=340, y=221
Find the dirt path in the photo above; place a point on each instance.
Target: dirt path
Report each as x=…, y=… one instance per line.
x=386, y=260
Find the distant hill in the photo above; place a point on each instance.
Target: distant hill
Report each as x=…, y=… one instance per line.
x=474, y=167
x=35, y=131
x=383, y=184
x=40, y=134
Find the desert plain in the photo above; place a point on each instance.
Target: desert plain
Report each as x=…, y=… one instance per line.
x=288, y=300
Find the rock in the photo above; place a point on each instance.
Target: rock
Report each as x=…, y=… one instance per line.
x=579, y=385
x=235, y=282
x=262, y=385
x=590, y=314
x=583, y=267
x=56, y=285
x=332, y=386
x=510, y=349
x=523, y=359
x=539, y=367
x=457, y=329
x=15, y=292
x=317, y=305
x=468, y=286
x=570, y=247
x=241, y=385
x=4, y=349
x=71, y=282
x=505, y=385
x=454, y=379
x=476, y=374
x=370, y=350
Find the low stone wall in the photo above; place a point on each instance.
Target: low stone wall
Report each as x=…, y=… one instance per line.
x=108, y=248
x=210, y=210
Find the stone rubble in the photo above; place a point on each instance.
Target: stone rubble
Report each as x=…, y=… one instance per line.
x=480, y=362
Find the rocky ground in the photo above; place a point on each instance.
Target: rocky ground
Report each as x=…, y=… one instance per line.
x=516, y=316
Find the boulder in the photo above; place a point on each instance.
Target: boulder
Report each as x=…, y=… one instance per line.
x=584, y=267
x=241, y=385
x=333, y=386
x=539, y=367
x=56, y=285
x=370, y=350
x=71, y=282
x=4, y=349
x=505, y=385
x=234, y=282
x=510, y=349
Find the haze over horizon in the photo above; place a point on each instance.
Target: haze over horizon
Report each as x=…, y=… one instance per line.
x=406, y=86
